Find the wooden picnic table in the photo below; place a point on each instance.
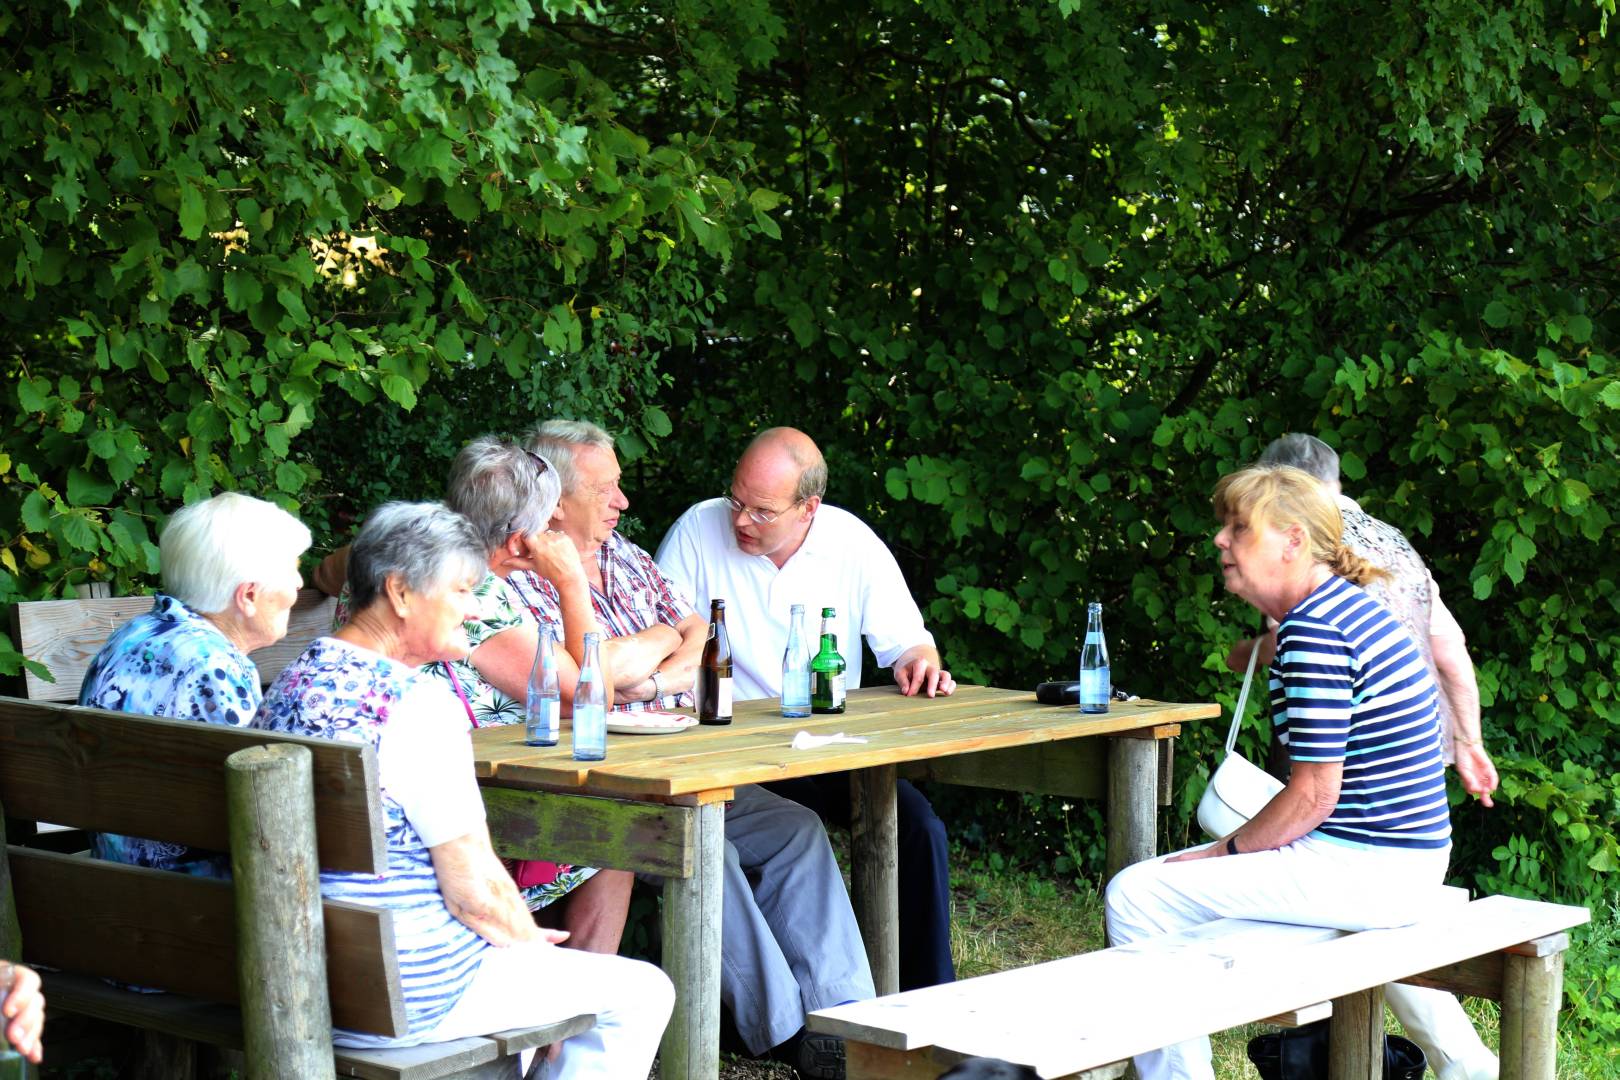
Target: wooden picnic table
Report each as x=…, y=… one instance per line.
x=657, y=803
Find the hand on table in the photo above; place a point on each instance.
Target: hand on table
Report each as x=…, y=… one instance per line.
x=23, y=1013
x=923, y=675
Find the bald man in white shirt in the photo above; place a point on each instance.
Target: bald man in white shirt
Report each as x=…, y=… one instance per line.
x=772, y=542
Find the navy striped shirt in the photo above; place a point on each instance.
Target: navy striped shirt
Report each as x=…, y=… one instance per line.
x=1349, y=685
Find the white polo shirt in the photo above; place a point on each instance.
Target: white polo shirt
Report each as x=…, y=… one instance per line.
x=841, y=564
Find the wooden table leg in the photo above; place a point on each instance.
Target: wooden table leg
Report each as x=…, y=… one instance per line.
x=691, y=930
x=874, y=849
x=1356, y=1037
x=1532, y=989
x=1133, y=786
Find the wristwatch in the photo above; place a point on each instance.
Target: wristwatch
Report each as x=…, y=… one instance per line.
x=1231, y=845
x=658, y=687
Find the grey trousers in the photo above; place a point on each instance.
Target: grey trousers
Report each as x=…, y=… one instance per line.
x=789, y=942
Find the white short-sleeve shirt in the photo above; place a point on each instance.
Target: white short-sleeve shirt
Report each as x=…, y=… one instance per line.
x=425, y=763
x=842, y=564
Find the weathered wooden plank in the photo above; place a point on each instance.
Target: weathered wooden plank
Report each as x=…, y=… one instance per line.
x=691, y=925
x=165, y=779
x=1133, y=804
x=1480, y=976
x=280, y=959
x=874, y=832
x=1074, y=768
x=1069, y=1015
x=1356, y=1036
x=10, y=931
x=647, y=837
x=516, y=1040
x=1532, y=991
x=430, y=1061
x=175, y=932
x=65, y=636
x=864, y=1061
x=756, y=747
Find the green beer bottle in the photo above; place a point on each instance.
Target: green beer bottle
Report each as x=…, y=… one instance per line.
x=827, y=670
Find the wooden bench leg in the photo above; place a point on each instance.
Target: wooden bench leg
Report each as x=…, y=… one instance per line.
x=1532, y=989
x=691, y=925
x=1356, y=1037
x=874, y=854
x=1133, y=787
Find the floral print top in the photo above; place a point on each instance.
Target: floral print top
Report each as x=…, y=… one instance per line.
x=171, y=662
x=341, y=692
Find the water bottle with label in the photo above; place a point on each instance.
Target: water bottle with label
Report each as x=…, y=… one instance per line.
x=1095, y=685
x=796, y=668
x=827, y=669
x=590, y=706
x=542, y=712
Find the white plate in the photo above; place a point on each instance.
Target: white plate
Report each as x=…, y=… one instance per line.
x=649, y=723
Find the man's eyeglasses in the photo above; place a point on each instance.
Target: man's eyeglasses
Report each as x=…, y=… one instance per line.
x=758, y=517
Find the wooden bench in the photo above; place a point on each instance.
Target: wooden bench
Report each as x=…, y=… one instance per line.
x=1085, y=1016
x=243, y=959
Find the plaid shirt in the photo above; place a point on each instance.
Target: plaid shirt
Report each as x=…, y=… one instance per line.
x=634, y=595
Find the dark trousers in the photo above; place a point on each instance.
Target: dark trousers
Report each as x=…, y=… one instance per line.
x=925, y=873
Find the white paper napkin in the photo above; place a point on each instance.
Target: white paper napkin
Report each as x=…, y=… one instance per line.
x=806, y=741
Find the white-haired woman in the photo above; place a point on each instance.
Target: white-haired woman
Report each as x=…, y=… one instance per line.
x=508, y=495
x=230, y=577
x=1361, y=835
x=471, y=959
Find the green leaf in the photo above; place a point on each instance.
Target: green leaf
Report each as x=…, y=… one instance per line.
x=83, y=490
x=1497, y=314
x=193, y=211
x=242, y=290
x=400, y=390
x=290, y=477
x=33, y=394
x=36, y=512
x=656, y=421
x=894, y=482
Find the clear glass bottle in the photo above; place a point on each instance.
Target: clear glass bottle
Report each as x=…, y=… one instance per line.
x=1096, y=687
x=542, y=712
x=590, y=705
x=796, y=668
x=827, y=669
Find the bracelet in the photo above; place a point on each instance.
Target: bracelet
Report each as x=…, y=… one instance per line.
x=1231, y=846
x=658, y=687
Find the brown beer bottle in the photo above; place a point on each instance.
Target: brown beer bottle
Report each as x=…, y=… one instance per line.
x=714, y=670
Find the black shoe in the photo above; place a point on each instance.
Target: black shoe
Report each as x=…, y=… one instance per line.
x=820, y=1057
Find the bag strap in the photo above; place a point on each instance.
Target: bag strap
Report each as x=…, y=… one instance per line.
x=1243, y=698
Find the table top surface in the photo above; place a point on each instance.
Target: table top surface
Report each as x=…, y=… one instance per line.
x=756, y=747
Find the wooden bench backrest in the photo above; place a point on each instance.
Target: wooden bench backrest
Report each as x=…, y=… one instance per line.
x=65, y=636
x=165, y=780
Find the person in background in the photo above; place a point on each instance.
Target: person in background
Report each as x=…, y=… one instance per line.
x=771, y=542
x=230, y=578
x=1360, y=836
x=472, y=961
x=1434, y=1019
x=780, y=874
x=22, y=1010
x=508, y=494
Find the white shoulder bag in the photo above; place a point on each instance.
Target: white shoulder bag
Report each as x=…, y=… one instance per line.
x=1238, y=788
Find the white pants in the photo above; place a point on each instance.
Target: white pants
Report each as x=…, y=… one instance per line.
x=537, y=983
x=1311, y=882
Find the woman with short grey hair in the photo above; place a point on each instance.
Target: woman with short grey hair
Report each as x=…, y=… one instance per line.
x=472, y=960
x=230, y=578
x=507, y=495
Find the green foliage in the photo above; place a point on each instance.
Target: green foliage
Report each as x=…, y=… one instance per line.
x=242, y=242
x=1047, y=271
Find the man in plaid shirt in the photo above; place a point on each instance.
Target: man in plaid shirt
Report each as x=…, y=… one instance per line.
x=788, y=937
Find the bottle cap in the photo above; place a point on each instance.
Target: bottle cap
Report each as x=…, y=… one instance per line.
x=828, y=613
x=717, y=605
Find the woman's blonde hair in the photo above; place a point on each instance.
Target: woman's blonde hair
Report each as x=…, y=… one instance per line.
x=1282, y=496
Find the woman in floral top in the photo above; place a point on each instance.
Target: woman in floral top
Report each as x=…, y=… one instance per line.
x=471, y=959
x=230, y=576
x=508, y=494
